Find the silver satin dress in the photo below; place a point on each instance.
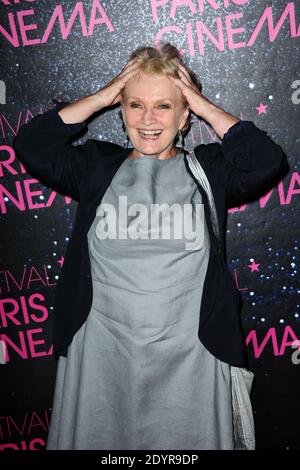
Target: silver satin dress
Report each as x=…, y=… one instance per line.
x=136, y=375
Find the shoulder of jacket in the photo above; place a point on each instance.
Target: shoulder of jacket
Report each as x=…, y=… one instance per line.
x=208, y=154
x=99, y=152
x=107, y=148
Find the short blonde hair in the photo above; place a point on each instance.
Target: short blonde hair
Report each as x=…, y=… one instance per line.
x=153, y=60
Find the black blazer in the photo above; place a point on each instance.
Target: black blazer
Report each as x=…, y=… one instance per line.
x=243, y=167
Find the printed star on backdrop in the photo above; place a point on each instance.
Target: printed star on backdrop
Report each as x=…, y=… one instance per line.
x=61, y=261
x=254, y=266
x=261, y=109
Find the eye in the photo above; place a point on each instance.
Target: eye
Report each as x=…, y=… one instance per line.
x=166, y=106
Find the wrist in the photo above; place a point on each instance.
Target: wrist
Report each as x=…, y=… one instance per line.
x=95, y=101
x=216, y=117
x=208, y=110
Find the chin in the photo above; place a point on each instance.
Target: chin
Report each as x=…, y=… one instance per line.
x=150, y=147
x=149, y=150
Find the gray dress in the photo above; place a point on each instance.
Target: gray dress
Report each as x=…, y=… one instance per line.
x=136, y=375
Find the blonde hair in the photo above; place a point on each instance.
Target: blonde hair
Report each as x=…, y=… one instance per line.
x=155, y=61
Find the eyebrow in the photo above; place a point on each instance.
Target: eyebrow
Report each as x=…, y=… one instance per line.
x=160, y=99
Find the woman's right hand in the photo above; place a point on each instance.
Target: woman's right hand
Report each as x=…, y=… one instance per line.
x=110, y=94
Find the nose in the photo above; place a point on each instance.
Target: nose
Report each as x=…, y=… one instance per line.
x=148, y=116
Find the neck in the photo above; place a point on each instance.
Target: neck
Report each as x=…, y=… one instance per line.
x=174, y=152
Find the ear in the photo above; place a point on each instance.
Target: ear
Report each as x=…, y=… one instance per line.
x=122, y=114
x=185, y=115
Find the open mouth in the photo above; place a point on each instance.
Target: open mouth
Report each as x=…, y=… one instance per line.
x=150, y=135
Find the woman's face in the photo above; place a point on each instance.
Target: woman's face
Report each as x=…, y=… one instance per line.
x=152, y=102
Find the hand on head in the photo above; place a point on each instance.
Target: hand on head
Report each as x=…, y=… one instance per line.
x=187, y=87
x=111, y=92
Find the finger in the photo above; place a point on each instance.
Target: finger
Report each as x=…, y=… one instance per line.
x=184, y=71
x=122, y=78
x=187, y=80
x=129, y=62
x=184, y=78
x=178, y=82
x=117, y=99
x=129, y=67
x=132, y=61
x=181, y=68
x=129, y=72
x=127, y=76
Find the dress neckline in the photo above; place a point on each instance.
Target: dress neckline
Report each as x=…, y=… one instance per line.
x=154, y=157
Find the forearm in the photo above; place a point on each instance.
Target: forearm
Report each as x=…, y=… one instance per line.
x=42, y=145
x=81, y=109
x=219, y=119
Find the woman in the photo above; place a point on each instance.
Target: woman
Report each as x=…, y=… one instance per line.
x=138, y=368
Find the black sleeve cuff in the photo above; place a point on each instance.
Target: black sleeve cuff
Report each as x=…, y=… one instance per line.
x=239, y=133
x=69, y=129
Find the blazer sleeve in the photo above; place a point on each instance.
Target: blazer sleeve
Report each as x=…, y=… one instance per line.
x=42, y=145
x=247, y=163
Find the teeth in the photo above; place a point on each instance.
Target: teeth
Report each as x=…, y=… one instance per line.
x=150, y=132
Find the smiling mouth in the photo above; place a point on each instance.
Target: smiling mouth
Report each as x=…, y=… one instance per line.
x=150, y=135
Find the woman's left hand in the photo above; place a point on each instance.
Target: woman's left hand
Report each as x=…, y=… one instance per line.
x=196, y=100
